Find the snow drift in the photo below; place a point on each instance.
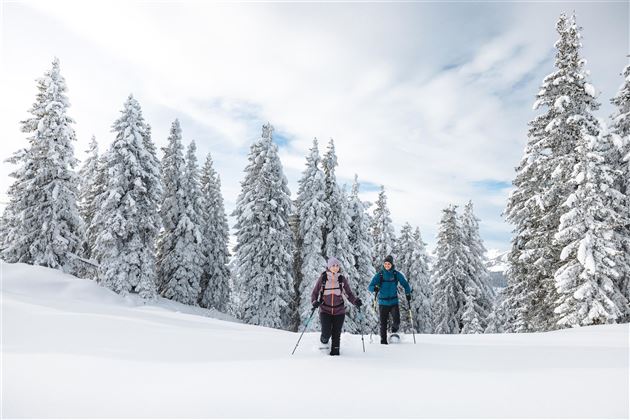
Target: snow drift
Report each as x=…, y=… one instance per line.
x=73, y=349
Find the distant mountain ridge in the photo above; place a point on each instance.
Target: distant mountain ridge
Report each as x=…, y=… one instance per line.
x=497, y=265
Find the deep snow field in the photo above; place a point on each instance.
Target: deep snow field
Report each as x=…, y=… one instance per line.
x=71, y=348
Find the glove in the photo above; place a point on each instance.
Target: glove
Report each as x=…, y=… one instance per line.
x=316, y=304
x=377, y=288
x=358, y=303
x=408, y=295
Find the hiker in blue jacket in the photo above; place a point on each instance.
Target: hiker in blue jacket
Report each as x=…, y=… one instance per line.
x=385, y=285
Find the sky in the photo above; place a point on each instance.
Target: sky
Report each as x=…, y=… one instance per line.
x=429, y=99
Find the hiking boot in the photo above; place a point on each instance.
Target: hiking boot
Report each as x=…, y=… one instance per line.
x=334, y=351
x=383, y=341
x=321, y=338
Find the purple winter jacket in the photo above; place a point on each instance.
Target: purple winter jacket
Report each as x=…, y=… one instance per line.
x=333, y=302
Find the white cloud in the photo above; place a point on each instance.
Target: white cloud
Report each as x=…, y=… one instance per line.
x=368, y=75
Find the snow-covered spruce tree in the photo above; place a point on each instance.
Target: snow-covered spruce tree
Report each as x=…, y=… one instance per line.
x=215, y=292
x=337, y=228
x=264, y=241
x=592, y=255
x=356, y=320
x=471, y=317
x=311, y=211
x=449, y=275
x=403, y=248
x=147, y=140
x=543, y=184
x=10, y=224
x=362, y=248
x=337, y=232
x=42, y=218
x=620, y=132
x=92, y=202
x=87, y=177
x=382, y=231
x=180, y=256
x=419, y=276
x=294, y=305
x=478, y=279
x=153, y=180
x=497, y=320
x=127, y=214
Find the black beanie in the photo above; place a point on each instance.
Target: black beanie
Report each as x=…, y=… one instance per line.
x=389, y=259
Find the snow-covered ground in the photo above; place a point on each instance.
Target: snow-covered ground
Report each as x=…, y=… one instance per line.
x=73, y=349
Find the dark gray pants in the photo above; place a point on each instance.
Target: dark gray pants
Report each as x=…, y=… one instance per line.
x=331, y=326
x=384, y=312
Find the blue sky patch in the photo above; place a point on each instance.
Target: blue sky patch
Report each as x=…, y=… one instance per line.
x=282, y=140
x=492, y=184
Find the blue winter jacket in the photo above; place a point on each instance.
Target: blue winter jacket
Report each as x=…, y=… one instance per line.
x=388, y=294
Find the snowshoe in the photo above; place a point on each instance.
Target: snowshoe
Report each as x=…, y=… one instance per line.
x=323, y=347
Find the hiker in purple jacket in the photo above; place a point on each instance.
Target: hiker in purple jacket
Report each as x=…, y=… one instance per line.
x=327, y=295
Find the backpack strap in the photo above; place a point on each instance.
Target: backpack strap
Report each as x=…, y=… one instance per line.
x=324, y=278
x=383, y=279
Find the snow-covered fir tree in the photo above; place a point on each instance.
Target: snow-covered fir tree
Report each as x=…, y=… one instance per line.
x=294, y=305
x=478, y=278
x=311, y=210
x=419, y=277
x=471, y=317
x=153, y=180
x=337, y=228
x=87, y=176
x=42, y=225
x=215, y=291
x=357, y=320
x=127, y=213
x=90, y=186
x=337, y=232
x=10, y=223
x=382, y=231
x=449, y=275
x=362, y=247
x=497, y=321
x=593, y=243
x=264, y=248
x=180, y=256
x=543, y=184
x=403, y=248
x=149, y=145
x=92, y=201
x=620, y=133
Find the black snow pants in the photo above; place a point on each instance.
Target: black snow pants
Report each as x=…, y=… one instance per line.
x=384, y=311
x=331, y=326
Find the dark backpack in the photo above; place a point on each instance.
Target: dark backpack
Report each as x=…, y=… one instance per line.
x=395, y=277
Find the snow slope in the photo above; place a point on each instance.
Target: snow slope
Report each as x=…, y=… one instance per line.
x=73, y=349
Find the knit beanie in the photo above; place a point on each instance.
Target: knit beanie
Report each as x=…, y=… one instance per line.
x=333, y=261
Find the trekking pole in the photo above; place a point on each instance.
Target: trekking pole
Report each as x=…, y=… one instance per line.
x=305, y=327
x=413, y=329
x=361, y=328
